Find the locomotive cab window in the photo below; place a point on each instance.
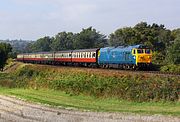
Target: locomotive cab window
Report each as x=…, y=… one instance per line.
x=140, y=51
x=148, y=51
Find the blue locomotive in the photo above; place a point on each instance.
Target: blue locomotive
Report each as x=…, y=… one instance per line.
x=129, y=57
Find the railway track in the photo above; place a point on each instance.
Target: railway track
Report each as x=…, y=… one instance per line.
x=112, y=70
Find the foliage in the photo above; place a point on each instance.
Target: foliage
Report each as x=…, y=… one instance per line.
x=173, y=56
x=42, y=44
x=7, y=81
x=63, y=41
x=4, y=51
x=171, y=68
x=123, y=36
x=89, y=38
x=128, y=87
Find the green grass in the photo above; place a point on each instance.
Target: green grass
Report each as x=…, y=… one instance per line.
x=81, y=102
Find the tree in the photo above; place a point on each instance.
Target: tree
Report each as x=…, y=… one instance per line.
x=174, y=52
x=124, y=36
x=63, y=41
x=4, y=51
x=89, y=38
x=42, y=44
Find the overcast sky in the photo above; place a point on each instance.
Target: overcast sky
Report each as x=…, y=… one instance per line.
x=32, y=19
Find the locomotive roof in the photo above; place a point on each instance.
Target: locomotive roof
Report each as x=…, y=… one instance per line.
x=125, y=48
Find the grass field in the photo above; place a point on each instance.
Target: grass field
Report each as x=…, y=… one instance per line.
x=81, y=102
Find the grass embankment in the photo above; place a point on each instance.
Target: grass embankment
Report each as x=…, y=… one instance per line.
x=94, y=89
x=61, y=99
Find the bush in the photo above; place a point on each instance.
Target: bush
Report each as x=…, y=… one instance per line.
x=171, y=68
x=129, y=87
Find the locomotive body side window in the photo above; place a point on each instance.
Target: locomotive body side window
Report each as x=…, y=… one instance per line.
x=134, y=51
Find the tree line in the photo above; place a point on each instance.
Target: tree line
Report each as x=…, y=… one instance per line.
x=164, y=42
x=87, y=38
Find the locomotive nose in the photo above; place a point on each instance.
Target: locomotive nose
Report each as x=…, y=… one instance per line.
x=144, y=59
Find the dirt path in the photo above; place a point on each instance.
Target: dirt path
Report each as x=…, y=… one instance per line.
x=14, y=110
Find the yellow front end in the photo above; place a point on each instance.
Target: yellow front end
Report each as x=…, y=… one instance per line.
x=143, y=56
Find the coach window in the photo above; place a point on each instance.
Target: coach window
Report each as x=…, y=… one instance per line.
x=94, y=55
x=89, y=54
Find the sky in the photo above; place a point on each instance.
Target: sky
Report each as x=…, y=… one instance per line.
x=33, y=19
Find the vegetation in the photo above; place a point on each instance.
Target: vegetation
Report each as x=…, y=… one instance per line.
x=171, y=68
x=92, y=89
x=174, y=52
x=94, y=83
x=62, y=99
x=5, y=49
x=87, y=38
x=164, y=42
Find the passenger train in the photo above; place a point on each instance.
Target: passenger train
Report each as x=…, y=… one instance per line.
x=122, y=57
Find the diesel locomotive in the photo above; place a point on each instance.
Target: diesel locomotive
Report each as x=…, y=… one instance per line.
x=123, y=57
